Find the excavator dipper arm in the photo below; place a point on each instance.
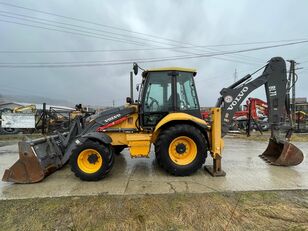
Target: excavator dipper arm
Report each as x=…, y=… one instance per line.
x=274, y=78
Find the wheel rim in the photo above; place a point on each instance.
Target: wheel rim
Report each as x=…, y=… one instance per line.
x=89, y=161
x=182, y=150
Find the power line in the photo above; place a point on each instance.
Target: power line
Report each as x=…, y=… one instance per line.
x=88, y=35
x=73, y=25
x=84, y=51
x=112, y=38
x=106, y=50
x=86, y=21
x=104, y=31
x=103, y=50
x=94, y=23
x=240, y=56
x=118, y=50
x=122, y=29
x=115, y=61
x=92, y=36
x=97, y=24
x=80, y=31
x=129, y=61
x=109, y=39
x=69, y=32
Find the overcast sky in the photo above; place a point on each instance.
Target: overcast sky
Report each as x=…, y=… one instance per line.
x=181, y=23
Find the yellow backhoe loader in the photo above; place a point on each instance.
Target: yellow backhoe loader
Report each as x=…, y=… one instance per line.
x=167, y=115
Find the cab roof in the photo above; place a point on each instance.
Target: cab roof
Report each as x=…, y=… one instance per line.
x=194, y=71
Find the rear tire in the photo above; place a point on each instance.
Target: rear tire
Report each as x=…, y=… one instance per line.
x=91, y=161
x=181, y=150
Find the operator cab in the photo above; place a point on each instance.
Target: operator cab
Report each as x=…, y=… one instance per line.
x=167, y=90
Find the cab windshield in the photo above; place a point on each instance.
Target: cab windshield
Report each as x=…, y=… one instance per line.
x=161, y=96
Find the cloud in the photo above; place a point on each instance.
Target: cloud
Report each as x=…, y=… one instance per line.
x=190, y=22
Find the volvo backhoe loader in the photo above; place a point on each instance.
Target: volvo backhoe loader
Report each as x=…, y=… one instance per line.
x=166, y=114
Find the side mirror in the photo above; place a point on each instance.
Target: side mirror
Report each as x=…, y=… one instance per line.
x=135, y=68
x=129, y=100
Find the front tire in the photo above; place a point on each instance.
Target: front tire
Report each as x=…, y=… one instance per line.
x=91, y=161
x=181, y=149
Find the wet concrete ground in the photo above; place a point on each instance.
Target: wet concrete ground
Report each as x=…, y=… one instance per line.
x=245, y=172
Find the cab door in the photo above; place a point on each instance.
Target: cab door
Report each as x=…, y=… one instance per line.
x=157, y=100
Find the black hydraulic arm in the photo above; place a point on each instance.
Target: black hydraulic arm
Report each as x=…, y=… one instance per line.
x=274, y=78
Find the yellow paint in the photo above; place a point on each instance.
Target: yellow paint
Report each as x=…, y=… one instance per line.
x=26, y=109
x=177, y=116
x=217, y=142
x=74, y=114
x=139, y=144
x=188, y=155
x=85, y=165
x=172, y=69
x=119, y=138
x=129, y=123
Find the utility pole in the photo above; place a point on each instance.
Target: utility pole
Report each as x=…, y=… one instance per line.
x=113, y=103
x=291, y=86
x=44, y=119
x=235, y=75
x=293, y=63
x=131, y=86
x=292, y=80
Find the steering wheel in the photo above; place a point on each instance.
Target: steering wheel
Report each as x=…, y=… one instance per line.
x=153, y=101
x=183, y=104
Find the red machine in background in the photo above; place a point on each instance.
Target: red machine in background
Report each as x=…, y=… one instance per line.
x=254, y=111
x=256, y=107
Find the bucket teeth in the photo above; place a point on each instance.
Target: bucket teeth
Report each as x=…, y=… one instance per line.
x=264, y=158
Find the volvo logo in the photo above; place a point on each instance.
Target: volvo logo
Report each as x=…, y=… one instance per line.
x=228, y=99
x=112, y=118
x=237, y=98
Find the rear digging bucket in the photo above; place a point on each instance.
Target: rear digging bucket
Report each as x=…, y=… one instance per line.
x=37, y=159
x=282, y=153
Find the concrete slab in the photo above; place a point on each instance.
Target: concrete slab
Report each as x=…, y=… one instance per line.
x=245, y=172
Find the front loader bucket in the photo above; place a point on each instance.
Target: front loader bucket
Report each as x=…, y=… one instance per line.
x=37, y=159
x=282, y=153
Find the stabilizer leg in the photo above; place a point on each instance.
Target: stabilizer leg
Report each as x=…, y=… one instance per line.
x=216, y=169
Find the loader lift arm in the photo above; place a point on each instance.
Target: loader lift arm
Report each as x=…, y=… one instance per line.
x=274, y=78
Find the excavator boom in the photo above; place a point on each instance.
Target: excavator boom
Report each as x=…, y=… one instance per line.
x=274, y=78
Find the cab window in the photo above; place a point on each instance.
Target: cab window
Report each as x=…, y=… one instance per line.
x=158, y=93
x=186, y=92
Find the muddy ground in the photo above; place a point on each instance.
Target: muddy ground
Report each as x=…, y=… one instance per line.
x=269, y=210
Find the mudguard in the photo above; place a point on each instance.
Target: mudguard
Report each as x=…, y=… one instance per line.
x=97, y=136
